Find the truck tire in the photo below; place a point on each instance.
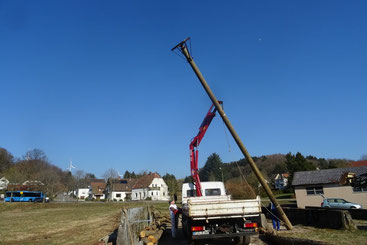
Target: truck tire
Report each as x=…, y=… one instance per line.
x=245, y=240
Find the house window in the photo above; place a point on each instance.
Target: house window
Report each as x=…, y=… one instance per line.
x=164, y=193
x=118, y=195
x=136, y=194
x=359, y=189
x=317, y=190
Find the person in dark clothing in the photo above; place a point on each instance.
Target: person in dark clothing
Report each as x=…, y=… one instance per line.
x=274, y=216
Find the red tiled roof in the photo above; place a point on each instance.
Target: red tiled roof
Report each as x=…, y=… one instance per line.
x=359, y=163
x=98, y=188
x=145, y=181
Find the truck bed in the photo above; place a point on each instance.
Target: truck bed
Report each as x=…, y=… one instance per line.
x=199, y=208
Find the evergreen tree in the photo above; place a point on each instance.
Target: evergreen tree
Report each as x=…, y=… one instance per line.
x=297, y=163
x=171, y=182
x=127, y=175
x=211, y=170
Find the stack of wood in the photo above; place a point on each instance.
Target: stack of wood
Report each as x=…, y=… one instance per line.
x=152, y=233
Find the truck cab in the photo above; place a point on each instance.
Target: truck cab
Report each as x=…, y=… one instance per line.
x=212, y=189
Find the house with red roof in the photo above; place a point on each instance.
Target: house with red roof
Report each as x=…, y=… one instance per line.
x=150, y=187
x=98, y=187
x=118, y=189
x=358, y=163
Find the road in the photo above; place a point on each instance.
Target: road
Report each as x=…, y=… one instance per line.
x=180, y=240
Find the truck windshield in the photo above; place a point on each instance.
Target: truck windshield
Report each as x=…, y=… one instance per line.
x=212, y=192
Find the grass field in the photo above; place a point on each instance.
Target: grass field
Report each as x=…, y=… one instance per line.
x=86, y=223
x=61, y=223
x=330, y=236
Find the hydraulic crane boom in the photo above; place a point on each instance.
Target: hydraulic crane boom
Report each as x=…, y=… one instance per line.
x=194, y=153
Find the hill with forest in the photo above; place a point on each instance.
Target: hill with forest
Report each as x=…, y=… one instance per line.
x=239, y=173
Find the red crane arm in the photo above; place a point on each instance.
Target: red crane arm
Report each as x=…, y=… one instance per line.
x=194, y=153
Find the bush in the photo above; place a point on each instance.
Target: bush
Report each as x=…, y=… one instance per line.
x=238, y=190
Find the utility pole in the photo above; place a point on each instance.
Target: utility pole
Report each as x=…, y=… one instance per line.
x=182, y=47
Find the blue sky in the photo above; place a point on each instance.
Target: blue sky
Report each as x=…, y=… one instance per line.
x=96, y=82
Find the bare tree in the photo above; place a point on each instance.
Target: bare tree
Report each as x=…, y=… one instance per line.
x=35, y=154
x=364, y=157
x=6, y=160
x=110, y=173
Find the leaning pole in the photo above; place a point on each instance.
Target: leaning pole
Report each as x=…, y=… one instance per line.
x=182, y=47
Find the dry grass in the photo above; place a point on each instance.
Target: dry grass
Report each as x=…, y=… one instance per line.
x=60, y=223
x=86, y=223
x=327, y=235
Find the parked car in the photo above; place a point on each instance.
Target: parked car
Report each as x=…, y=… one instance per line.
x=338, y=203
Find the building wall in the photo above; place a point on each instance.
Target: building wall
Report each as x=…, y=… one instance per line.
x=114, y=196
x=3, y=183
x=139, y=194
x=158, y=190
x=163, y=189
x=83, y=193
x=332, y=190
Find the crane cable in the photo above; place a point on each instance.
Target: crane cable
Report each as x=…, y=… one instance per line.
x=243, y=177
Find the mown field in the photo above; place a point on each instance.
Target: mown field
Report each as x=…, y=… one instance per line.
x=61, y=223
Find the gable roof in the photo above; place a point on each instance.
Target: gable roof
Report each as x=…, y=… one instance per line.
x=324, y=176
x=145, y=181
x=281, y=176
x=121, y=185
x=98, y=188
x=359, y=163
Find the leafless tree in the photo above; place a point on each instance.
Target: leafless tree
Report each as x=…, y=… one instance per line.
x=35, y=154
x=110, y=173
x=6, y=160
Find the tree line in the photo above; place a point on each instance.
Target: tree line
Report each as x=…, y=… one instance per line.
x=35, y=168
x=240, y=180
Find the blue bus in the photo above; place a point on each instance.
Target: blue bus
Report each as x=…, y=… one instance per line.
x=24, y=196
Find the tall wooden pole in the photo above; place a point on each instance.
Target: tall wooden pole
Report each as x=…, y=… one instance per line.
x=183, y=48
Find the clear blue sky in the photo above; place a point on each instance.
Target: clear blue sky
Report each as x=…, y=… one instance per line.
x=96, y=81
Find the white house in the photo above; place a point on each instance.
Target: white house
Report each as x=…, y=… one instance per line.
x=83, y=193
x=98, y=187
x=281, y=181
x=150, y=186
x=4, y=183
x=119, y=189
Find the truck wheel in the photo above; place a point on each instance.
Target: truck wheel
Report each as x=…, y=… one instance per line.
x=245, y=240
